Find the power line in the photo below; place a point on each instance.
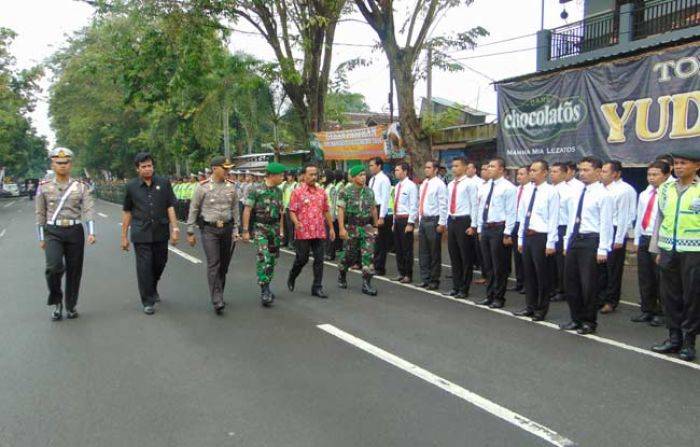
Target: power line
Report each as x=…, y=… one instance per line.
x=488, y=44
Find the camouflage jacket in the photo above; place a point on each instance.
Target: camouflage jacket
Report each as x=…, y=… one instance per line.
x=358, y=202
x=265, y=203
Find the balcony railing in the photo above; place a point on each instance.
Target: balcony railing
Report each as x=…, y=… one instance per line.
x=586, y=35
x=663, y=16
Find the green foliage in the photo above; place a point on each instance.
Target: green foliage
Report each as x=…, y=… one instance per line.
x=22, y=152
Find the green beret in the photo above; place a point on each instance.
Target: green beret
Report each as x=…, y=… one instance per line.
x=356, y=170
x=687, y=154
x=276, y=168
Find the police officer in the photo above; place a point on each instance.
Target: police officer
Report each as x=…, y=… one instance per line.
x=214, y=206
x=356, y=212
x=677, y=241
x=263, y=214
x=60, y=205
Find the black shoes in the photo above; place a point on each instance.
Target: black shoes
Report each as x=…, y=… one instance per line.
x=453, y=292
x=219, y=308
x=398, y=278
x=433, y=286
x=406, y=280
x=343, y=279
x=367, y=288
x=290, y=283
x=485, y=302
x=570, y=326
x=266, y=296
x=149, y=310
x=657, y=321
x=524, y=313
x=688, y=350
x=644, y=317
x=558, y=297
x=57, y=314
x=667, y=347
x=380, y=273
x=497, y=304
x=585, y=329
x=319, y=293
x=72, y=314
x=538, y=317
x=423, y=284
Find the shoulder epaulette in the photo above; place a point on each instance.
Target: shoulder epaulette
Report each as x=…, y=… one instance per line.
x=204, y=181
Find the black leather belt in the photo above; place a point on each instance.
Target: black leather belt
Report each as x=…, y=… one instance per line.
x=587, y=236
x=218, y=223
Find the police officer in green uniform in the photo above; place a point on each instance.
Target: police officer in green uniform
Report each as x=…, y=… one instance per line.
x=357, y=223
x=676, y=239
x=214, y=206
x=263, y=217
x=60, y=205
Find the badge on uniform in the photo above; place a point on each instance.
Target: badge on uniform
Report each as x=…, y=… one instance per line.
x=158, y=187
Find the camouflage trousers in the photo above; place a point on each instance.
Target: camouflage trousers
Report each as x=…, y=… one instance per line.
x=358, y=246
x=266, y=239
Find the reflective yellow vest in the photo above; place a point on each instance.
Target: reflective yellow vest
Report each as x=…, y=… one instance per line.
x=680, y=227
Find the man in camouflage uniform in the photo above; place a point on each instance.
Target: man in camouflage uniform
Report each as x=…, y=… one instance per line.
x=357, y=222
x=263, y=210
x=214, y=207
x=60, y=204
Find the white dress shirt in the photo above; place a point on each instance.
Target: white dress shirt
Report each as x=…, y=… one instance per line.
x=381, y=186
x=632, y=197
x=596, y=216
x=576, y=184
x=641, y=209
x=433, y=194
x=622, y=204
x=406, y=199
x=544, y=217
x=502, y=207
x=466, y=203
x=567, y=192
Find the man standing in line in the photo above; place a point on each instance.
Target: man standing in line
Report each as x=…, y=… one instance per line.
x=522, y=178
x=676, y=239
x=567, y=193
x=405, y=216
x=624, y=202
x=462, y=207
x=432, y=212
x=539, y=216
x=482, y=179
x=495, y=222
x=647, y=269
x=588, y=240
x=149, y=206
x=571, y=180
x=381, y=187
x=308, y=208
x=60, y=205
x=215, y=206
x=263, y=215
x=357, y=221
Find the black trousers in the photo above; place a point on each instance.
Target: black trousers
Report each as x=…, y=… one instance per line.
x=403, y=245
x=303, y=247
x=559, y=260
x=461, y=248
x=382, y=244
x=517, y=258
x=65, y=248
x=648, y=278
x=479, y=258
x=581, y=270
x=333, y=246
x=429, y=250
x=537, y=267
x=680, y=292
x=218, y=247
x=151, y=258
x=614, y=269
x=288, y=240
x=495, y=257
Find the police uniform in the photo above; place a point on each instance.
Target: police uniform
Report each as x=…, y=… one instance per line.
x=265, y=203
x=357, y=204
x=677, y=241
x=59, y=210
x=214, y=207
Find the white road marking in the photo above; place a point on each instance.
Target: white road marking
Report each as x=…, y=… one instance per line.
x=548, y=324
x=7, y=205
x=493, y=408
x=102, y=215
x=2, y=233
x=189, y=257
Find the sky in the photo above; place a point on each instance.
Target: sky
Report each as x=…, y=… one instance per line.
x=44, y=25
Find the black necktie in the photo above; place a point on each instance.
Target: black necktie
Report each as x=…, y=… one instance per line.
x=529, y=211
x=485, y=216
x=577, y=222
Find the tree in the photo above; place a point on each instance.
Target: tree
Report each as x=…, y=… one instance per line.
x=416, y=29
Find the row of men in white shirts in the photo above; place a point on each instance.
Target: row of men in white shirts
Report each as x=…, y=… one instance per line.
x=536, y=220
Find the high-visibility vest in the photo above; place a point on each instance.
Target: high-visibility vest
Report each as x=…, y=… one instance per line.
x=680, y=227
x=391, y=201
x=287, y=193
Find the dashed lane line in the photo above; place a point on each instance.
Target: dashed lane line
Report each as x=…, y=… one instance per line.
x=485, y=404
x=103, y=215
x=184, y=255
x=7, y=205
x=2, y=233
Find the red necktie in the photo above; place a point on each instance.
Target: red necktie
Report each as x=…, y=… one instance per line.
x=396, y=198
x=422, y=196
x=650, y=206
x=453, y=200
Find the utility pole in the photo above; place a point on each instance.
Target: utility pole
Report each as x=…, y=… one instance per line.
x=542, y=17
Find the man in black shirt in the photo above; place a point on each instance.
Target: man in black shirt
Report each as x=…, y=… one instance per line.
x=149, y=206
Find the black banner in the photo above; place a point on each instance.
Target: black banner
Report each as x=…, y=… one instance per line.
x=629, y=110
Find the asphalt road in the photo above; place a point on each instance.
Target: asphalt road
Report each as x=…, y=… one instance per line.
x=405, y=368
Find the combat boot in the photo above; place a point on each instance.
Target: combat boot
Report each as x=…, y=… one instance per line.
x=688, y=350
x=57, y=314
x=266, y=296
x=343, y=279
x=367, y=288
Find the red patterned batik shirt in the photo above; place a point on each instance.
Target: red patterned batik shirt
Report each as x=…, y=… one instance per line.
x=310, y=206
